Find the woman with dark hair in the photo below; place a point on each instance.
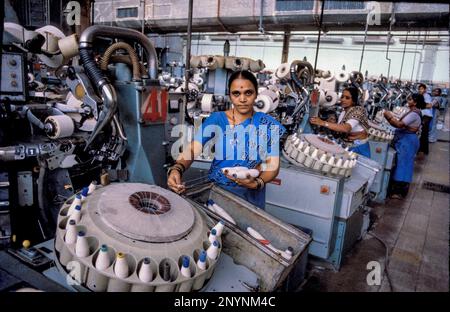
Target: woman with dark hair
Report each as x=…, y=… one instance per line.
x=406, y=143
x=244, y=138
x=352, y=123
x=427, y=116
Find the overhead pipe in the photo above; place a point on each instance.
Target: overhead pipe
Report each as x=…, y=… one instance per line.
x=297, y=33
x=104, y=87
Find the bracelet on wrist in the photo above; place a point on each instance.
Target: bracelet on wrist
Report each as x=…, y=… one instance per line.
x=260, y=182
x=174, y=168
x=181, y=166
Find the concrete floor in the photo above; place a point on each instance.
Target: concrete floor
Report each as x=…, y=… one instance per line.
x=416, y=231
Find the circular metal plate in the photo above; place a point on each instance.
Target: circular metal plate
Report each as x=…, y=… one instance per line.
x=145, y=212
x=324, y=144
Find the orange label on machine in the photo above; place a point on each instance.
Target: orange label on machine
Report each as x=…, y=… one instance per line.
x=155, y=106
x=314, y=97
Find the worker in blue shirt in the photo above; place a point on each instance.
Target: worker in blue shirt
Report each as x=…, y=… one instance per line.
x=427, y=116
x=244, y=138
x=436, y=101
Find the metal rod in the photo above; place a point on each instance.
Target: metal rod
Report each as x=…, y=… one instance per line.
x=414, y=61
x=143, y=16
x=92, y=12
x=47, y=17
x=297, y=33
x=420, y=66
x=219, y=19
x=339, y=48
x=403, y=57
x=61, y=13
x=285, y=51
x=389, y=36
x=187, y=71
x=261, y=12
x=318, y=37
x=364, y=43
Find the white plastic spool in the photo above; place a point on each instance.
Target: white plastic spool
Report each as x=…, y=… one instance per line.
x=71, y=232
x=69, y=46
x=103, y=261
x=207, y=103
x=62, y=126
x=263, y=104
x=283, y=71
x=145, y=273
x=342, y=76
x=82, y=245
x=121, y=268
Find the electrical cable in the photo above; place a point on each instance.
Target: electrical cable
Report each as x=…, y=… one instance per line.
x=386, y=262
x=318, y=38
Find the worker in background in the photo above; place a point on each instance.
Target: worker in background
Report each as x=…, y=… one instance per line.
x=352, y=122
x=406, y=143
x=243, y=138
x=427, y=116
x=444, y=106
x=436, y=102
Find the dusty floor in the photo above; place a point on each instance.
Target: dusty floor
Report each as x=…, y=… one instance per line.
x=416, y=231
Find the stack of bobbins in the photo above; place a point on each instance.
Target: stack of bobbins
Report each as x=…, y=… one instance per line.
x=378, y=133
x=320, y=154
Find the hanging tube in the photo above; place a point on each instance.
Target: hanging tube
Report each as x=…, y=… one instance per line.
x=96, y=76
x=88, y=36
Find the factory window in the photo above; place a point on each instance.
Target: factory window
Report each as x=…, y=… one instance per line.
x=344, y=5
x=288, y=5
x=127, y=12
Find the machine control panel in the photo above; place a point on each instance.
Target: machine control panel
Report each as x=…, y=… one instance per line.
x=13, y=83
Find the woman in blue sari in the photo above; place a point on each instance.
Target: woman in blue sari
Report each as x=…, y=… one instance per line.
x=406, y=143
x=352, y=123
x=244, y=138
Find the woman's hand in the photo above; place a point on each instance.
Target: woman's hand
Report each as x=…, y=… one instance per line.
x=174, y=182
x=316, y=121
x=249, y=183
